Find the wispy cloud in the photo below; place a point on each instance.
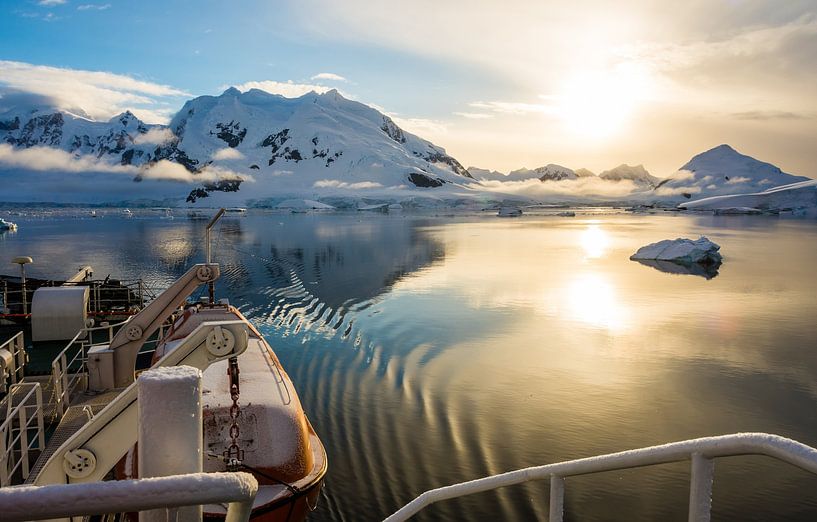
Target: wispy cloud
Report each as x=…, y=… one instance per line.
x=592, y=188
x=158, y=136
x=50, y=3
x=50, y=159
x=288, y=89
x=506, y=107
x=474, y=115
x=227, y=154
x=333, y=183
x=101, y=95
x=332, y=77
x=94, y=7
x=771, y=115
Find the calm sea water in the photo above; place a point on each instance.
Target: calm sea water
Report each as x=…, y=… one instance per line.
x=430, y=350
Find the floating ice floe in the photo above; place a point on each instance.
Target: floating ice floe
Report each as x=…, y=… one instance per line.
x=682, y=256
x=509, y=212
x=729, y=211
x=303, y=205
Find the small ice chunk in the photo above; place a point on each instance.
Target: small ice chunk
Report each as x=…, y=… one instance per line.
x=681, y=250
x=509, y=212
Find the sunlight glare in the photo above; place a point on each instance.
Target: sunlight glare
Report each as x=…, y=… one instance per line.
x=598, y=104
x=593, y=300
x=594, y=241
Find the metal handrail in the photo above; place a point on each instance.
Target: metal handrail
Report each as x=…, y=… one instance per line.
x=98, y=498
x=65, y=381
x=700, y=452
x=17, y=348
x=15, y=440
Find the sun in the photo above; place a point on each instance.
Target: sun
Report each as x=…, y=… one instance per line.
x=600, y=103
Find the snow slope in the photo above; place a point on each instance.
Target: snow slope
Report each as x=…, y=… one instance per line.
x=637, y=174
x=802, y=195
x=252, y=146
x=721, y=171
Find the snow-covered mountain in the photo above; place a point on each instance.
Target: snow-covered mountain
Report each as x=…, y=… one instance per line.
x=637, y=174
x=255, y=144
x=721, y=171
x=550, y=172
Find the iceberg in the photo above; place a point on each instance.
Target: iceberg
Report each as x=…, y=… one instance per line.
x=681, y=251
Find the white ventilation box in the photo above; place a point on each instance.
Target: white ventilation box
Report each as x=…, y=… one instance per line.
x=100, y=368
x=58, y=312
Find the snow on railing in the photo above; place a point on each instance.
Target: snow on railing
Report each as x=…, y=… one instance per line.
x=12, y=361
x=700, y=451
x=21, y=432
x=99, y=498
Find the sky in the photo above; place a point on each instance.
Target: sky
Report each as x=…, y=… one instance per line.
x=499, y=84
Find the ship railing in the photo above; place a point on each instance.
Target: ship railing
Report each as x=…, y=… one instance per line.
x=237, y=490
x=700, y=452
x=13, y=361
x=69, y=369
x=22, y=431
x=125, y=299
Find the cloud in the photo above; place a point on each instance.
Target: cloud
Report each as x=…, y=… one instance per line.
x=100, y=95
x=333, y=183
x=770, y=115
x=227, y=154
x=50, y=3
x=288, y=89
x=421, y=126
x=158, y=136
x=737, y=180
x=50, y=159
x=474, y=115
x=678, y=191
x=96, y=7
x=505, y=107
x=682, y=175
x=582, y=188
x=332, y=77
x=47, y=158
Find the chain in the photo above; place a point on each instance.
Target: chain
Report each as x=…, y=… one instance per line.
x=233, y=454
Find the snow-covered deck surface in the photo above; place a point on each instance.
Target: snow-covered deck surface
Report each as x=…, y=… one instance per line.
x=274, y=433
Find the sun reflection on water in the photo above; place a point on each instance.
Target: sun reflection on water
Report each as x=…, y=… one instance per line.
x=595, y=241
x=593, y=300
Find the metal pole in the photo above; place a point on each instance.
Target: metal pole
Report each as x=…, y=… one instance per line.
x=700, y=488
x=211, y=286
x=23, y=286
x=557, y=499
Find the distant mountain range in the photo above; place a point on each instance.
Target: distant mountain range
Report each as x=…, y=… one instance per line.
x=718, y=171
x=255, y=148
x=235, y=141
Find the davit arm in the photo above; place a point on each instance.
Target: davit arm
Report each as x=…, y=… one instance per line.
x=96, y=448
x=130, y=338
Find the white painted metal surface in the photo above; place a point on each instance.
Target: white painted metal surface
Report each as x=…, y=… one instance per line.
x=24, y=503
x=700, y=451
x=170, y=429
x=21, y=432
x=113, y=431
x=58, y=313
x=13, y=360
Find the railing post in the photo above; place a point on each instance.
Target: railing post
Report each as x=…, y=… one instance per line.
x=24, y=440
x=4, y=461
x=40, y=422
x=170, y=430
x=557, y=498
x=65, y=397
x=700, y=488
